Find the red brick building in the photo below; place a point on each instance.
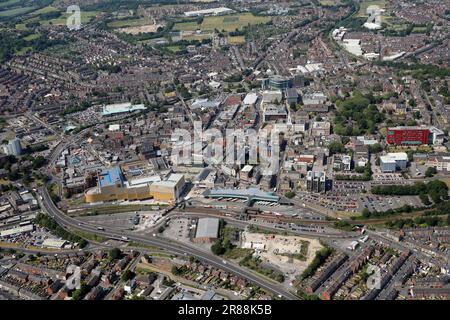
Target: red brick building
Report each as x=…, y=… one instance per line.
x=408, y=136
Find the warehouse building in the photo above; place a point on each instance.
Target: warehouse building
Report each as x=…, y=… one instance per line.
x=112, y=186
x=250, y=194
x=118, y=108
x=207, y=230
x=209, y=12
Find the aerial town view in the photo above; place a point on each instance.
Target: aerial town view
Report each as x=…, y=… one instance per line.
x=224, y=150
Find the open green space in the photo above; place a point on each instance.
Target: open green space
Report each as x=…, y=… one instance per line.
x=90, y=236
x=44, y=10
x=228, y=23
x=236, y=39
x=15, y=12
x=366, y=4
x=122, y=23
x=86, y=16
x=8, y=3
x=33, y=36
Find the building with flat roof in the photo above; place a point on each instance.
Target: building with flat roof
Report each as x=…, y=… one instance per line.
x=250, y=99
x=291, y=96
x=209, y=12
x=277, y=82
x=409, y=136
x=16, y=231
x=393, y=162
x=316, y=181
x=275, y=112
x=113, y=109
x=441, y=163
x=14, y=147
x=207, y=230
x=321, y=128
x=169, y=190
x=314, y=98
x=111, y=177
x=54, y=243
x=112, y=186
x=342, y=162
x=204, y=104
x=437, y=136
x=272, y=96
x=250, y=194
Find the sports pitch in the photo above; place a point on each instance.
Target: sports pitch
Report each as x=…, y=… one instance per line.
x=228, y=23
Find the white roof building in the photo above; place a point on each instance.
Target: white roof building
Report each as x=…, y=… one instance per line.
x=250, y=98
x=209, y=12
x=54, y=243
x=207, y=228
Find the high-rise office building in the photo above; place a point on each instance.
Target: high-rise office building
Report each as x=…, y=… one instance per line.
x=14, y=147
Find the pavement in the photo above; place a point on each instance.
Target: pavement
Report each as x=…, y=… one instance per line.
x=179, y=248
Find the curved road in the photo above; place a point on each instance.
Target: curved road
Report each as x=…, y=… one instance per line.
x=170, y=245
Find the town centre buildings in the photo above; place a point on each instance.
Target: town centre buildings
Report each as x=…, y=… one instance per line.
x=111, y=186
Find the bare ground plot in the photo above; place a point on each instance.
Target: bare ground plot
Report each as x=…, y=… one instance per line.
x=140, y=29
x=290, y=254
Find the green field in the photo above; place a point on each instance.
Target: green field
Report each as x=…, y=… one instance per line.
x=420, y=29
x=236, y=39
x=32, y=37
x=227, y=23
x=15, y=12
x=365, y=4
x=329, y=3
x=174, y=49
x=86, y=16
x=45, y=10
x=8, y=3
x=21, y=27
x=122, y=23
x=198, y=37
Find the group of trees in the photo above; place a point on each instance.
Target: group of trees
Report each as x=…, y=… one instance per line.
x=50, y=224
x=178, y=271
x=437, y=190
x=255, y=264
x=114, y=254
x=14, y=41
x=366, y=174
x=23, y=167
x=290, y=194
x=367, y=214
x=423, y=221
x=336, y=147
x=440, y=209
x=184, y=92
x=318, y=260
x=78, y=294
x=234, y=78
x=357, y=115
x=419, y=71
x=128, y=275
x=76, y=108
x=53, y=195
x=430, y=172
x=223, y=242
x=375, y=148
